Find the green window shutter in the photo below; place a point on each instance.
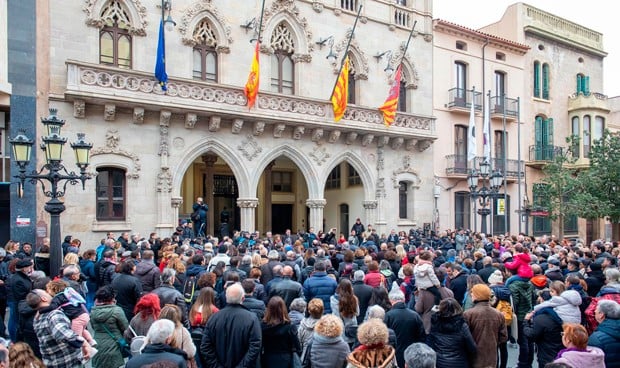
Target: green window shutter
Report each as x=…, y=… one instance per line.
x=586, y=87
x=536, y=79
x=579, y=85
x=545, y=78
x=538, y=137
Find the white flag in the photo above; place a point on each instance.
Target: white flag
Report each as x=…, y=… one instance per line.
x=485, y=133
x=471, y=135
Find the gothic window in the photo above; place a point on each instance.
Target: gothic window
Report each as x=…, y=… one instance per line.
x=354, y=177
x=282, y=181
x=402, y=94
x=205, y=54
x=110, y=189
x=282, y=65
x=333, y=180
x=114, y=37
x=351, y=98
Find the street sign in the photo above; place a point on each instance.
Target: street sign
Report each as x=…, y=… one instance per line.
x=540, y=213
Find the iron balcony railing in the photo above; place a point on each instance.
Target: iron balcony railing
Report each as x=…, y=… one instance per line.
x=458, y=165
x=544, y=153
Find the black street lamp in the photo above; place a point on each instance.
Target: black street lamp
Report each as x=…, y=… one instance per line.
x=55, y=174
x=484, y=193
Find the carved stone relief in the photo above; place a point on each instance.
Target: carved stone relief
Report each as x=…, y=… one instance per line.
x=164, y=180
x=317, y=134
x=289, y=7
x=214, y=123
x=333, y=136
x=138, y=115
x=367, y=139
x=278, y=129
x=112, y=138
x=298, y=132
x=79, y=109
x=192, y=15
x=190, y=120
x=259, y=128
x=237, y=125
x=94, y=18
x=320, y=155
x=109, y=112
x=250, y=148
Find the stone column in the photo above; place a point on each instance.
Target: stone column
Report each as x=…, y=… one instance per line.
x=209, y=161
x=176, y=203
x=370, y=212
x=267, y=196
x=248, y=213
x=316, y=213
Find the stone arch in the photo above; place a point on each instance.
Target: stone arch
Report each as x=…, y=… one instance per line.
x=358, y=57
x=137, y=13
x=409, y=69
x=203, y=146
x=284, y=11
x=194, y=14
x=361, y=166
x=116, y=160
x=299, y=159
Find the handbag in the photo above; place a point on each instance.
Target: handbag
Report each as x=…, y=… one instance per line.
x=122, y=343
x=137, y=342
x=514, y=325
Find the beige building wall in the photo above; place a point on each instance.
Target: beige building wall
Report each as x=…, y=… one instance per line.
x=160, y=139
x=569, y=49
x=484, y=55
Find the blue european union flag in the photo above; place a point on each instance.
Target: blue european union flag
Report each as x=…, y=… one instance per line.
x=160, y=65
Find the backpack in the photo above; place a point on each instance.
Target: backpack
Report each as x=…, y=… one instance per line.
x=73, y=297
x=189, y=288
x=195, y=216
x=504, y=307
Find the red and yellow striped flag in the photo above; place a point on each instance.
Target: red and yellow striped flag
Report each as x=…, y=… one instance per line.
x=391, y=102
x=251, y=86
x=341, y=91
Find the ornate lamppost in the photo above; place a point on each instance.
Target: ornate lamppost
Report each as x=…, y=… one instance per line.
x=491, y=183
x=53, y=172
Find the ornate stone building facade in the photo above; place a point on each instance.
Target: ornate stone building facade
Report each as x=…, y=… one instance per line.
x=283, y=164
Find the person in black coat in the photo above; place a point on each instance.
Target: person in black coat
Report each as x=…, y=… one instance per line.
x=128, y=288
x=363, y=293
x=26, y=332
x=450, y=336
x=406, y=323
x=544, y=328
x=18, y=286
x=595, y=280
x=458, y=281
x=228, y=344
x=255, y=305
x=169, y=295
x=279, y=336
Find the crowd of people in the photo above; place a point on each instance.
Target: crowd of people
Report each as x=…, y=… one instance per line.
x=320, y=300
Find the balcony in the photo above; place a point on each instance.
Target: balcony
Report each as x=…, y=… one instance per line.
x=458, y=167
x=590, y=101
x=460, y=100
x=508, y=107
x=540, y=155
x=197, y=101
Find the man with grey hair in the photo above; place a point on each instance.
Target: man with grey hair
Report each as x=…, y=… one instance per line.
x=377, y=312
x=266, y=270
x=605, y=337
x=157, y=347
x=71, y=275
x=363, y=293
x=406, y=323
x=232, y=336
x=169, y=295
x=420, y=355
x=487, y=269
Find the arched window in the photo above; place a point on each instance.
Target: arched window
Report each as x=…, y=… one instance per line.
x=575, y=133
x=402, y=199
x=537, y=79
x=587, y=136
x=351, y=98
x=282, y=65
x=204, y=53
x=402, y=94
x=114, y=37
x=460, y=78
x=111, y=198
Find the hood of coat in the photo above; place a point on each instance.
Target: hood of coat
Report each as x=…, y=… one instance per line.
x=102, y=313
x=591, y=357
x=572, y=297
x=144, y=267
x=610, y=327
x=308, y=323
x=380, y=357
x=194, y=270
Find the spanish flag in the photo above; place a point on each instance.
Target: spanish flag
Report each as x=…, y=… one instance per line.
x=251, y=86
x=391, y=102
x=341, y=91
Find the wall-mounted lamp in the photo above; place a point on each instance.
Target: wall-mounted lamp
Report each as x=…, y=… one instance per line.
x=169, y=23
x=322, y=41
x=250, y=24
x=388, y=58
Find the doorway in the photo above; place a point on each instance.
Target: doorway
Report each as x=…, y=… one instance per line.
x=281, y=218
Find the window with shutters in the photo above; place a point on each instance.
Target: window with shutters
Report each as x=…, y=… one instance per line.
x=462, y=212
x=460, y=78
x=536, y=79
x=541, y=224
x=543, y=131
x=545, y=81
x=583, y=84
x=110, y=189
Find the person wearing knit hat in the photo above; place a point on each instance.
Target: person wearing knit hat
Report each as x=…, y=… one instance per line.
x=487, y=326
x=496, y=278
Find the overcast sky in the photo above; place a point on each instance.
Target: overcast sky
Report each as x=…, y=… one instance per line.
x=598, y=15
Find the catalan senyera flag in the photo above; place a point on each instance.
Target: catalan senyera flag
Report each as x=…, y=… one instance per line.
x=391, y=102
x=251, y=86
x=341, y=92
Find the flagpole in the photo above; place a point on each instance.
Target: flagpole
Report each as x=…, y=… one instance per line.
x=260, y=22
x=407, y=44
x=346, y=50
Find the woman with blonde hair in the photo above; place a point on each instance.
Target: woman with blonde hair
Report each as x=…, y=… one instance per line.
x=577, y=352
x=327, y=348
x=177, y=264
x=71, y=259
x=22, y=356
x=181, y=338
x=374, y=350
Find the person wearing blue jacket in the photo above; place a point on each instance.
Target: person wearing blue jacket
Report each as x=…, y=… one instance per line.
x=321, y=286
x=607, y=334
